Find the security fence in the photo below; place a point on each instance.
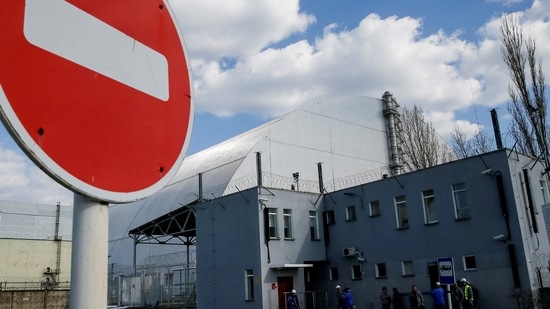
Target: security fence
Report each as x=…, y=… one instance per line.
x=153, y=284
x=33, y=285
x=310, y=299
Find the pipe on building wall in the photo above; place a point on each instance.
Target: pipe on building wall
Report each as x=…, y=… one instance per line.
x=530, y=201
x=57, y=238
x=503, y=204
x=392, y=119
x=266, y=232
x=514, y=264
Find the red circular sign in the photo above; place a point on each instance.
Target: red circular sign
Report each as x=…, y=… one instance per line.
x=97, y=93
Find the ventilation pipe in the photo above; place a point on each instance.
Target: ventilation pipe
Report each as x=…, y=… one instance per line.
x=320, y=173
x=393, y=120
x=200, y=187
x=496, y=128
x=259, y=169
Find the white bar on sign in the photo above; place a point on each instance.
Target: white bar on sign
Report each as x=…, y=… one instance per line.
x=68, y=32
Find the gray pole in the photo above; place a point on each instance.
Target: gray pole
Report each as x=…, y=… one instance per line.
x=89, y=254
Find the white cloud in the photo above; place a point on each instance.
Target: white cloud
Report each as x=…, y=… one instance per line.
x=237, y=28
x=506, y=2
x=253, y=57
x=22, y=181
x=441, y=72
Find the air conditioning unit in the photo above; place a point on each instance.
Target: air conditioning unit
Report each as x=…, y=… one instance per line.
x=350, y=251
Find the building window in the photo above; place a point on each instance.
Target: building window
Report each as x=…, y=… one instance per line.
x=544, y=191
x=334, y=273
x=408, y=269
x=374, y=208
x=546, y=217
x=461, y=203
x=273, y=223
x=469, y=262
x=313, y=229
x=356, y=273
x=329, y=217
x=350, y=213
x=401, y=211
x=430, y=212
x=287, y=221
x=249, y=284
x=381, y=270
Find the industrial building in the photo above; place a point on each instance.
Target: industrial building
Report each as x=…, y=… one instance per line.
x=317, y=198
x=35, y=242
x=311, y=200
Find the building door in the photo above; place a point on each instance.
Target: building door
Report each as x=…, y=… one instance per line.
x=433, y=272
x=285, y=284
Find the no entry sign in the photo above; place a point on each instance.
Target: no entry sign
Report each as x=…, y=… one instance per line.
x=97, y=93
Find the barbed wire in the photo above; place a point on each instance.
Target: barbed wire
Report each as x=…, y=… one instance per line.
x=171, y=259
x=271, y=180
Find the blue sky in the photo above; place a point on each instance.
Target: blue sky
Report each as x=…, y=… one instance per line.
x=256, y=60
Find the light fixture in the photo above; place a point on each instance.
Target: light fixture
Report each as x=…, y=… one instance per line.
x=500, y=238
x=487, y=172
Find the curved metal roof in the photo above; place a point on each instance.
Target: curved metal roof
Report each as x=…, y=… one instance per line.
x=347, y=134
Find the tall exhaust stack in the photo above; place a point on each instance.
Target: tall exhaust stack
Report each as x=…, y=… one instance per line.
x=393, y=120
x=496, y=128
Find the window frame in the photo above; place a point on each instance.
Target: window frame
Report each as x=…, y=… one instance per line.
x=287, y=224
x=329, y=217
x=429, y=206
x=467, y=260
x=405, y=267
x=400, y=210
x=313, y=225
x=462, y=212
x=273, y=223
x=374, y=208
x=249, y=285
x=333, y=274
x=351, y=213
x=356, y=272
x=381, y=270
x=544, y=191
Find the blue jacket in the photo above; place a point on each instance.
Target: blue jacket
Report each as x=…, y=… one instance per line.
x=438, y=295
x=347, y=298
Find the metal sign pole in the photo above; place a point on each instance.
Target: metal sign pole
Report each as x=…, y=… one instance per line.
x=89, y=254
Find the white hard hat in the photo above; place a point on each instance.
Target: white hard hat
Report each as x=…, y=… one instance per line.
x=463, y=280
x=293, y=291
x=337, y=286
x=437, y=283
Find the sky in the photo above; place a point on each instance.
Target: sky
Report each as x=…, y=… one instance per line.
x=253, y=61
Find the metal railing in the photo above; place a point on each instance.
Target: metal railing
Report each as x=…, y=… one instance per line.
x=33, y=286
x=310, y=299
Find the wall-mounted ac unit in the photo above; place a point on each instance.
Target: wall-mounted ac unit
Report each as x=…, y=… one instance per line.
x=350, y=251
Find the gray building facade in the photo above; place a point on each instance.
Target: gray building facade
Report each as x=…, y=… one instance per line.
x=316, y=199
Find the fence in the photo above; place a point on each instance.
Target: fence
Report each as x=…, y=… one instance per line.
x=34, y=295
x=151, y=287
x=311, y=299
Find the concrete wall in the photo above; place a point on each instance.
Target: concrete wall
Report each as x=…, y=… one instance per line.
x=34, y=299
x=27, y=260
x=227, y=245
